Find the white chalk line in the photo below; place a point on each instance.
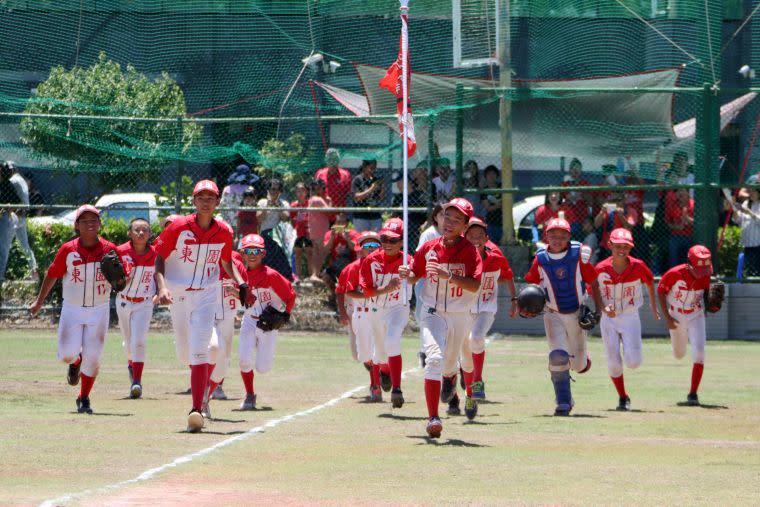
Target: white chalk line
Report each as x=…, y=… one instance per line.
x=149, y=474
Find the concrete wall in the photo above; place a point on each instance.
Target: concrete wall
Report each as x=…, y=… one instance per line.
x=739, y=319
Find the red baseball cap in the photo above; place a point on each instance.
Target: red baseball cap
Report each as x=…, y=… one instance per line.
x=558, y=223
x=476, y=221
x=461, y=204
x=700, y=260
x=366, y=236
x=622, y=236
x=85, y=208
x=252, y=241
x=205, y=185
x=393, y=228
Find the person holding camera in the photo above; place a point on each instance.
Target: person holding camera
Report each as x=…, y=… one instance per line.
x=615, y=214
x=368, y=190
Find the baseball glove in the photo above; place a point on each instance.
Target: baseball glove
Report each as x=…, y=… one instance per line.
x=714, y=297
x=113, y=271
x=587, y=319
x=271, y=319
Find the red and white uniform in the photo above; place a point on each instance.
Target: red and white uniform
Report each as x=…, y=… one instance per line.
x=624, y=292
x=685, y=297
x=192, y=258
x=269, y=288
x=388, y=313
x=134, y=305
x=446, y=319
x=348, y=280
x=86, y=296
x=220, y=347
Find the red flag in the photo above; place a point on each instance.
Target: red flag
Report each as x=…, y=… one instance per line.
x=392, y=82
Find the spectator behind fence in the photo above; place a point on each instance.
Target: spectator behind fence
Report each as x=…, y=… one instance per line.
x=22, y=190
x=319, y=225
x=681, y=167
x=418, y=197
x=660, y=232
x=36, y=199
x=8, y=195
x=337, y=180
x=302, y=247
x=247, y=223
x=491, y=204
x=274, y=238
x=590, y=239
x=339, y=244
x=679, y=215
x=747, y=216
x=614, y=214
x=368, y=190
x=635, y=199
x=579, y=202
x=238, y=182
x=444, y=183
x=553, y=205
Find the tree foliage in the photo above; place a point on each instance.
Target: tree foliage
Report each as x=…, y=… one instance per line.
x=110, y=145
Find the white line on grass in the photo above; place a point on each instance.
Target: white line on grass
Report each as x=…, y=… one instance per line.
x=149, y=474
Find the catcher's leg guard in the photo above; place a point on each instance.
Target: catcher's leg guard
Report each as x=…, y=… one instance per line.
x=559, y=366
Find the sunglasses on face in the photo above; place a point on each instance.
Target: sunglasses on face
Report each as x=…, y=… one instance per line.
x=253, y=251
x=370, y=246
x=386, y=239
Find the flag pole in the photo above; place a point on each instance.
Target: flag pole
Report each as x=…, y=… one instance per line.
x=405, y=139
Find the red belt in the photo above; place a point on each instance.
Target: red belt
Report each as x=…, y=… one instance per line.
x=133, y=300
x=682, y=311
x=192, y=290
x=362, y=308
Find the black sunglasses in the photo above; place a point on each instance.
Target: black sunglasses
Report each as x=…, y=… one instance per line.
x=386, y=239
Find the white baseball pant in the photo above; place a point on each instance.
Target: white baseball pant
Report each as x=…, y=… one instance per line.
x=387, y=326
x=251, y=337
x=691, y=329
x=481, y=325
x=442, y=337
x=83, y=329
x=220, y=347
x=622, y=329
x=564, y=333
x=193, y=322
x=365, y=342
x=351, y=332
x=134, y=323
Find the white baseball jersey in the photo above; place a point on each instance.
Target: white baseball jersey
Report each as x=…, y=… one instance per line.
x=79, y=268
x=623, y=291
x=192, y=254
x=495, y=268
x=139, y=270
x=685, y=294
x=461, y=259
x=228, y=301
x=376, y=272
x=269, y=288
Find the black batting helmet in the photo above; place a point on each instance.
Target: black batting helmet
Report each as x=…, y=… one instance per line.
x=531, y=300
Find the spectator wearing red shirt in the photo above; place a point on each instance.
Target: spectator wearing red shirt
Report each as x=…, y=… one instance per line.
x=302, y=246
x=339, y=244
x=614, y=215
x=247, y=223
x=579, y=202
x=553, y=205
x=679, y=216
x=337, y=179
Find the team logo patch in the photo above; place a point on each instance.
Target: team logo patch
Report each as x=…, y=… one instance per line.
x=560, y=273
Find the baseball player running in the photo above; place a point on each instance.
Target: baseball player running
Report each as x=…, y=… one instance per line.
x=563, y=270
x=134, y=304
x=188, y=255
x=86, y=296
x=495, y=269
x=268, y=289
x=681, y=293
x=451, y=268
x=353, y=308
x=621, y=278
x=388, y=311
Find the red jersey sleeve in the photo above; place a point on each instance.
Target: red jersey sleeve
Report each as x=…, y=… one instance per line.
x=58, y=268
x=667, y=281
x=340, y=287
x=284, y=289
x=533, y=275
x=365, y=278
x=588, y=272
x=167, y=240
x=506, y=270
x=419, y=263
x=474, y=265
x=646, y=274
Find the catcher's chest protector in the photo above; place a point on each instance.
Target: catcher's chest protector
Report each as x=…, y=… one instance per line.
x=561, y=274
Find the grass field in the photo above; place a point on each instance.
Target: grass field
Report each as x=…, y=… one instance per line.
x=358, y=453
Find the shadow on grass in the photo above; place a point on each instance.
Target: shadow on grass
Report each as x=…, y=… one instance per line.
x=205, y=432
x=580, y=416
x=636, y=411
x=187, y=392
x=402, y=417
x=702, y=405
x=106, y=414
x=453, y=442
x=490, y=402
x=231, y=421
x=147, y=398
x=257, y=409
x=478, y=422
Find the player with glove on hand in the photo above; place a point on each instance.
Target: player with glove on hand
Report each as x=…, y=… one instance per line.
x=269, y=303
x=684, y=293
x=564, y=271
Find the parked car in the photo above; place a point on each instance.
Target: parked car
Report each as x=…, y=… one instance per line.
x=123, y=207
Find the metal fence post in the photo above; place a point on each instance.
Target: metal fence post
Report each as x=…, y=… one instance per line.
x=431, y=160
x=459, y=139
x=706, y=151
x=180, y=170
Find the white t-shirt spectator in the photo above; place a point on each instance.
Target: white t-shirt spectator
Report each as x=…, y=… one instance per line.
x=270, y=219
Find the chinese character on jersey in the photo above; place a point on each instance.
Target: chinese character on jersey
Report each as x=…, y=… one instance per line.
x=186, y=253
x=147, y=276
x=99, y=275
x=212, y=257
x=76, y=275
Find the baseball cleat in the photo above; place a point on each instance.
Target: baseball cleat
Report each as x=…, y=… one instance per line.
x=136, y=391
x=692, y=400
x=454, y=406
x=194, y=421
x=448, y=389
x=249, y=403
x=131, y=378
x=385, y=381
x=479, y=390
x=73, y=376
x=563, y=409
x=83, y=405
x=397, y=398
x=434, y=427
x=218, y=393
x=470, y=407
x=368, y=366
x=205, y=410
x=375, y=394
x=624, y=403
